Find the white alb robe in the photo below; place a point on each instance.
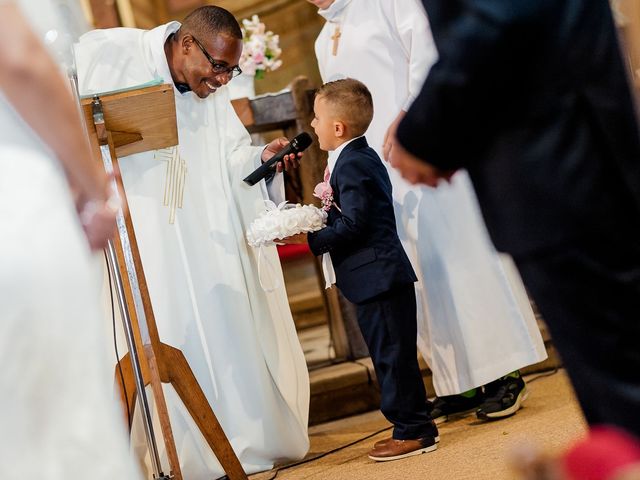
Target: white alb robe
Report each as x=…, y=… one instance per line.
x=475, y=323
x=59, y=416
x=202, y=277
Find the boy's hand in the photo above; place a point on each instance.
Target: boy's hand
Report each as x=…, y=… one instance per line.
x=297, y=239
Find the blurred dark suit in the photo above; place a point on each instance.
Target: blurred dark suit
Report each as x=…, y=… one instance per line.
x=532, y=98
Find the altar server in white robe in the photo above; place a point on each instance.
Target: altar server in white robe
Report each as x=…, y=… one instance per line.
x=475, y=323
x=203, y=280
x=59, y=415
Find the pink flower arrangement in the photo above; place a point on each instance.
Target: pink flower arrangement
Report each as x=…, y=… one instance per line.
x=260, y=50
x=324, y=192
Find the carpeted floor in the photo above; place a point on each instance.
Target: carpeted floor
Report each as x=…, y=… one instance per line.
x=468, y=449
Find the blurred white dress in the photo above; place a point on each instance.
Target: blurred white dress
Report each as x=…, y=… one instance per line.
x=475, y=322
x=59, y=417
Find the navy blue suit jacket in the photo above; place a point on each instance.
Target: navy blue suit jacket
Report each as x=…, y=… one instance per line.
x=362, y=239
x=532, y=98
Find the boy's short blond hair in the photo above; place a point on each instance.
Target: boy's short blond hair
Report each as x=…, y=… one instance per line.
x=351, y=102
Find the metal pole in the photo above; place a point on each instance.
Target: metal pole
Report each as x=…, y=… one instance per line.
x=135, y=363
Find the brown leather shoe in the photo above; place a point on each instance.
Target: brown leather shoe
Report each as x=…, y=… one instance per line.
x=380, y=443
x=396, y=449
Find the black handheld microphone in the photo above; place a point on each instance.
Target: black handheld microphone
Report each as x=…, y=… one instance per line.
x=298, y=144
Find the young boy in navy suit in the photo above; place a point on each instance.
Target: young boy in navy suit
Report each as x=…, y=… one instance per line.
x=371, y=267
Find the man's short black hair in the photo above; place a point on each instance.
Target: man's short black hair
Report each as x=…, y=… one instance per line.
x=210, y=20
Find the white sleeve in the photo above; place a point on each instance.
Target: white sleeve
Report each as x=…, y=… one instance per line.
x=246, y=158
x=321, y=47
x=414, y=33
x=275, y=188
x=243, y=158
x=274, y=185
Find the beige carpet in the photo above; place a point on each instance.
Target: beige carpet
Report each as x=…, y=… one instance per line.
x=468, y=449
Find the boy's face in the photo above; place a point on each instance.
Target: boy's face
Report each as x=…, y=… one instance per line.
x=324, y=124
x=322, y=4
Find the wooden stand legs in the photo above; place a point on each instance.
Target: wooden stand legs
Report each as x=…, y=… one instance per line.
x=174, y=369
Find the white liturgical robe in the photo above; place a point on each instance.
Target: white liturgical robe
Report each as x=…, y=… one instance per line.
x=239, y=340
x=475, y=323
x=59, y=415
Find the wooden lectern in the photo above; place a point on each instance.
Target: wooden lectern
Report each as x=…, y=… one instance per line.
x=136, y=121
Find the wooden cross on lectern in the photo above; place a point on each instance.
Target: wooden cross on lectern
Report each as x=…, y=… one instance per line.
x=121, y=124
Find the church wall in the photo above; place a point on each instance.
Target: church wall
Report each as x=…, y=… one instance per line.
x=627, y=15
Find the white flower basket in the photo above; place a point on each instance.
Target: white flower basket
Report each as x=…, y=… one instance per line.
x=281, y=221
x=284, y=220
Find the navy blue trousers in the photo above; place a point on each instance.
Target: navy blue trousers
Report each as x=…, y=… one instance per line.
x=389, y=326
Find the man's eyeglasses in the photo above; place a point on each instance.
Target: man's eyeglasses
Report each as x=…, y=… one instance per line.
x=218, y=68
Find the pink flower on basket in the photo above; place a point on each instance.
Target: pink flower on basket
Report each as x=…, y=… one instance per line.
x=324, y=192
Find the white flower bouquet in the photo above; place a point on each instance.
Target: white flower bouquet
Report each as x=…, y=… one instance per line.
x=284, y=220
x=261, y=49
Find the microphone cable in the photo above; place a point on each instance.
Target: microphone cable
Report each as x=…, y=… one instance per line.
x=329, y=452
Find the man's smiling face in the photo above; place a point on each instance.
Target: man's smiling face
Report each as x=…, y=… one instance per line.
x=198, y=71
